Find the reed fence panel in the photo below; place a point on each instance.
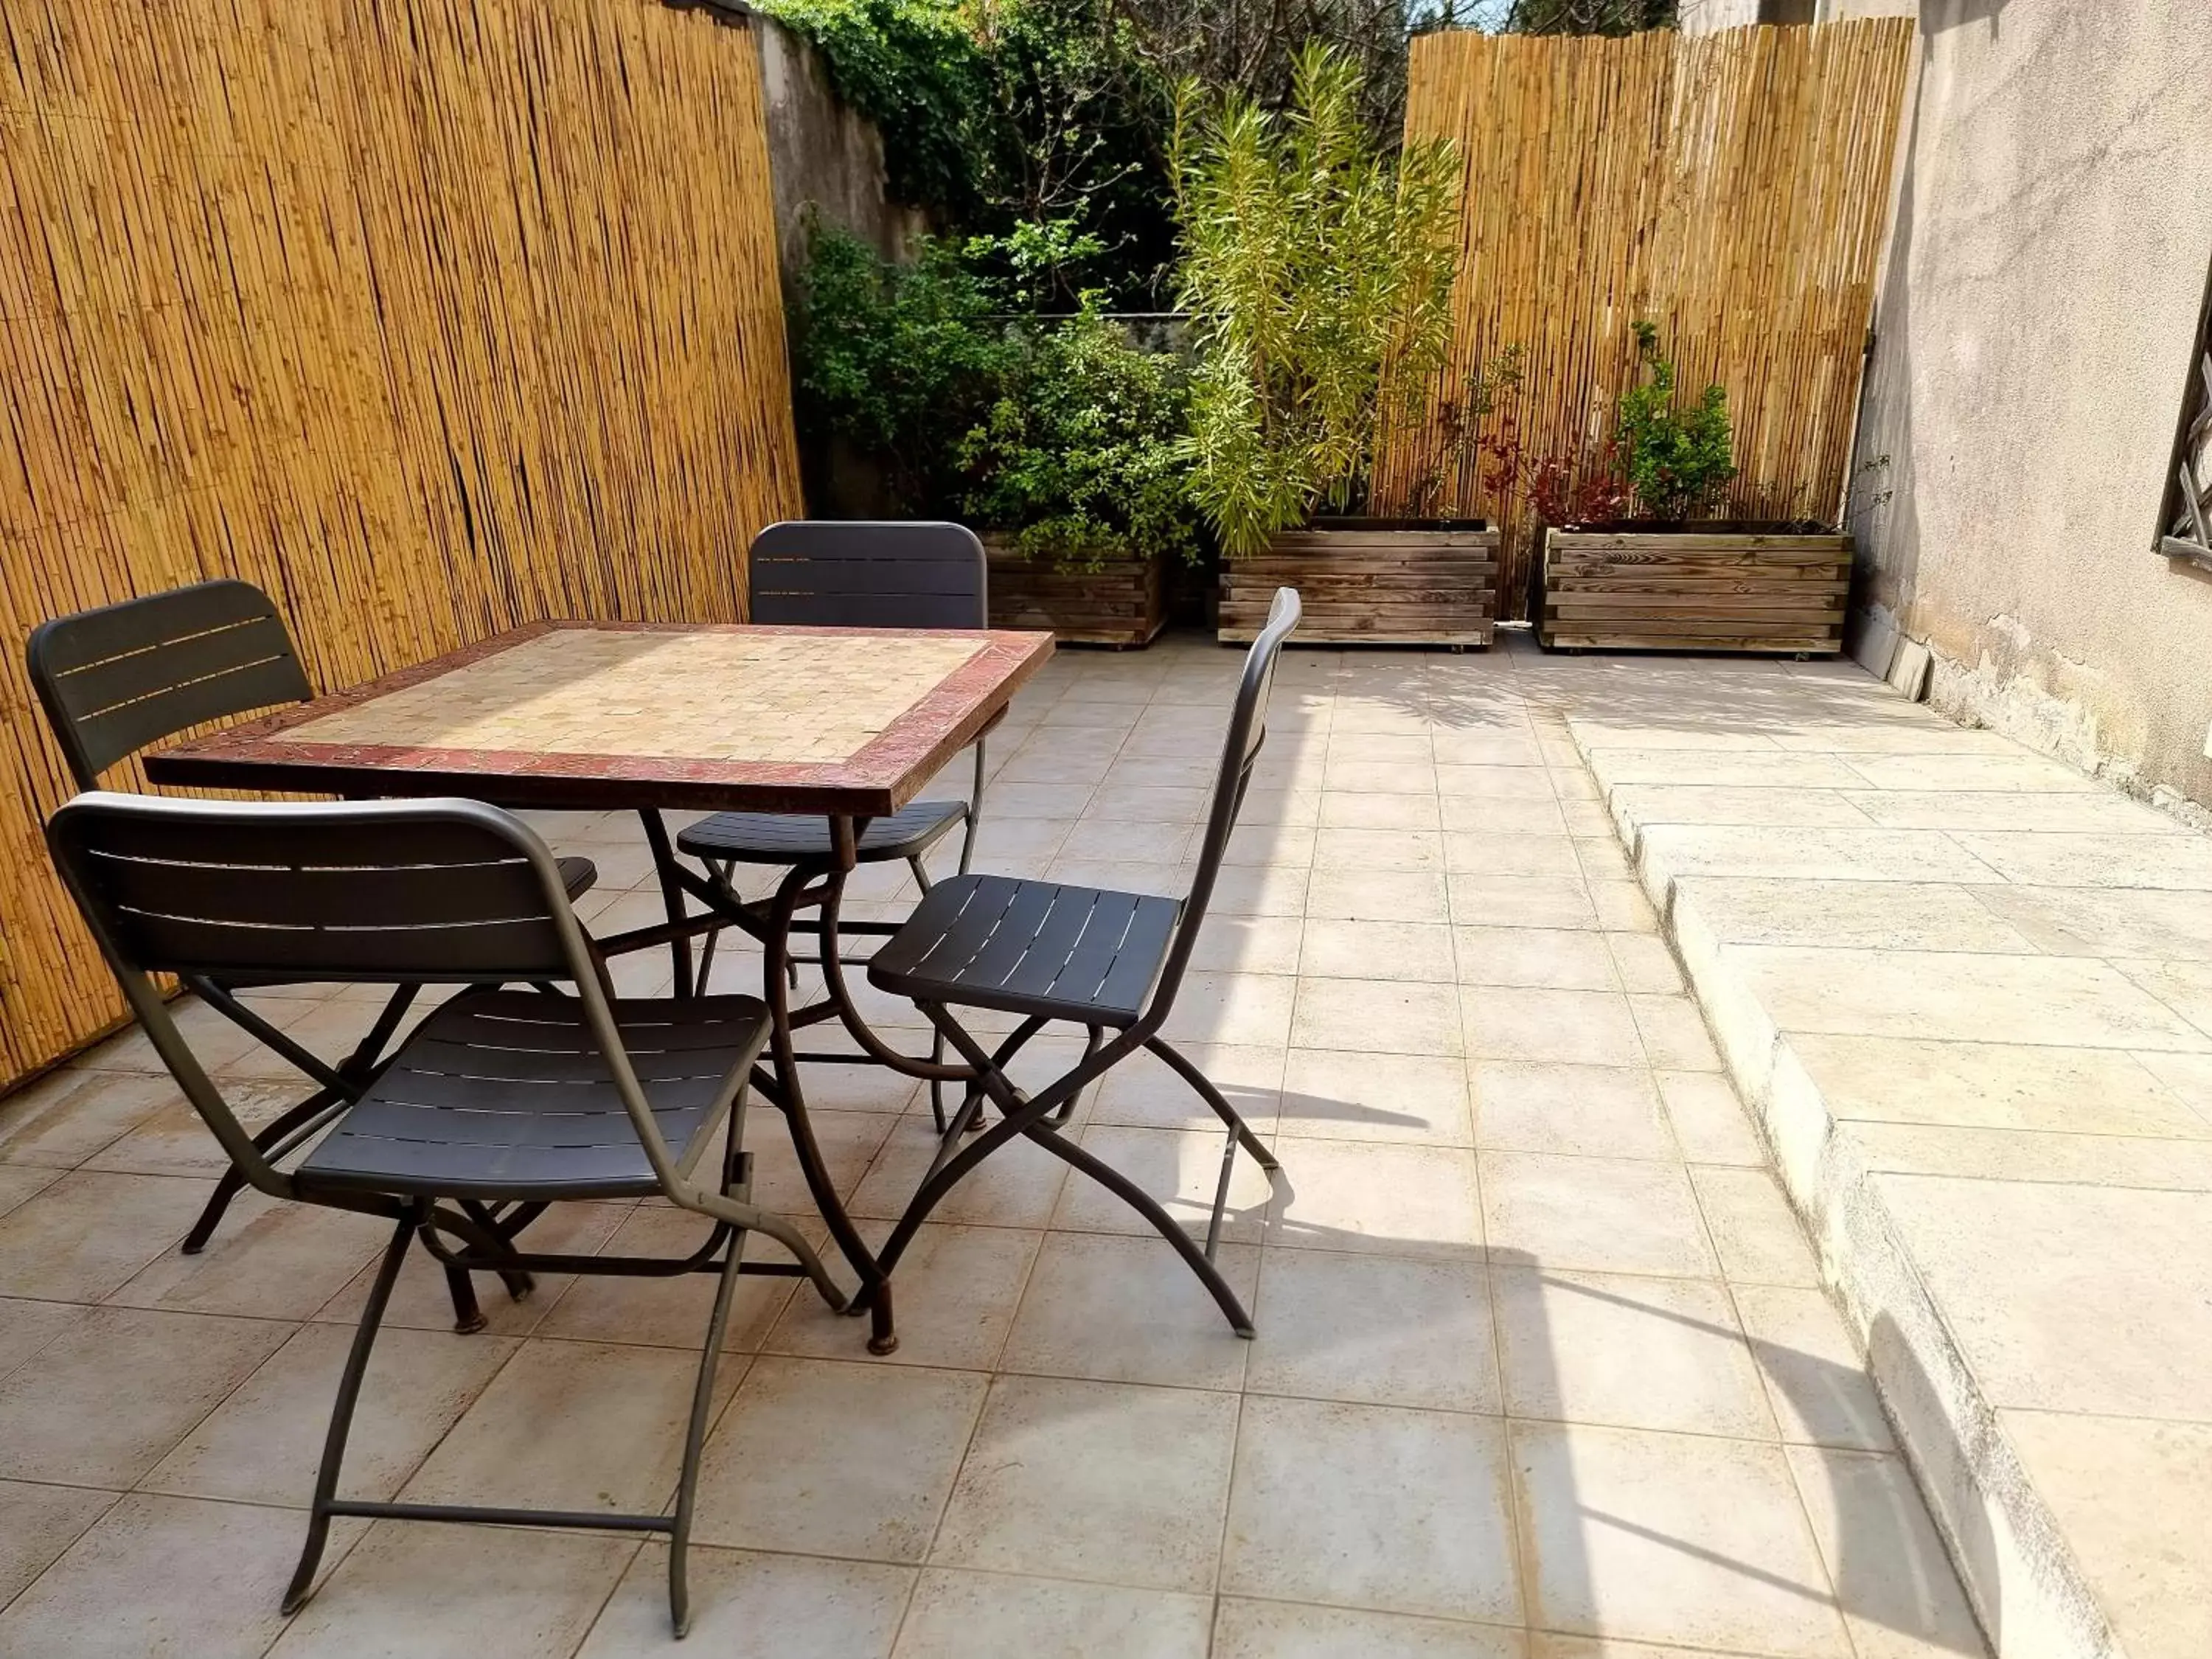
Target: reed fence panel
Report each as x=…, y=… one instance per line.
x=431, y=317
x=1733, y=188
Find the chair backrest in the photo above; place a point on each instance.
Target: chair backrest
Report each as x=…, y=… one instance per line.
x=384, y=892
x=824, y=572
x=119, y=679
x=1247, y=731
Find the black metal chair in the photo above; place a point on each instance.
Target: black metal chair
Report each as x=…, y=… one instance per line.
x=861, y=574
x=117, y=680
x=500, y=1097
x=1079, y=955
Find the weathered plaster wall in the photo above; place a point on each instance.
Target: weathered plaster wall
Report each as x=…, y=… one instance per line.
x=822, y=154
x=1706, y=16
x=2050, y=255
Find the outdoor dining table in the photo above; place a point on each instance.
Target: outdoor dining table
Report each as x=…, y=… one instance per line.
x=846, y=724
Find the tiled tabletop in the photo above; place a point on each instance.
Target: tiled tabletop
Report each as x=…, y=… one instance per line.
x=832, y=721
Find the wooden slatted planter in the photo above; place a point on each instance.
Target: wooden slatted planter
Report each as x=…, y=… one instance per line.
x=1370, y=584
x=1695, y=590
x=1122, y=603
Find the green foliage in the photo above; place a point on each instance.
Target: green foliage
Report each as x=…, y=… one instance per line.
x=899, y=360
x=1081, y=457
x=912, y=68
x=1677, y=460
x=1588, y=16
x=1317, y=270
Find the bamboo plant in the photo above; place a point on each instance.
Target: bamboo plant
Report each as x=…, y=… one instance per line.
x=1316, y=269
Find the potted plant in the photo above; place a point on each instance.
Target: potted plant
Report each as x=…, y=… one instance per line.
x=1631, y=557
x=1078, y=478
x=1317, y=272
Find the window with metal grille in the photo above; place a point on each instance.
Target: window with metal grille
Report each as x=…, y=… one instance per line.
x=2185, y=523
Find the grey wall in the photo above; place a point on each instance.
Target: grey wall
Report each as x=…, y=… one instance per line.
x=2051, y=242
x=821, y=153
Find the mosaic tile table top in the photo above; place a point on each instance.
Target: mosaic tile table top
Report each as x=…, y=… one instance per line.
x=595, y=714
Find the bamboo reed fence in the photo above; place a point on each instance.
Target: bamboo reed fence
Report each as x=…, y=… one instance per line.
x=430, y=317
x=1733, y=188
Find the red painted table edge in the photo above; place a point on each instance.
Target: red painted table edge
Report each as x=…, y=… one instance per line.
x=884, y=776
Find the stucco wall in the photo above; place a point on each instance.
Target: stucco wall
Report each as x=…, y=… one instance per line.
x=822, y=154
x=2032, y=336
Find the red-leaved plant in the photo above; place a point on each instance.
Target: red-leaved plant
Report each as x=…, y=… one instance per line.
x=1589, y=487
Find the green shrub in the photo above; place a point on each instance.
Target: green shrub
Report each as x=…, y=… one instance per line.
x=1082, y=459
x=1677, y=461
x=1318, y=270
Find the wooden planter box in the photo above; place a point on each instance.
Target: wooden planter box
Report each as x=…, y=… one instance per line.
x=1370, y=583
x=1718, y=589
x=1122, y=603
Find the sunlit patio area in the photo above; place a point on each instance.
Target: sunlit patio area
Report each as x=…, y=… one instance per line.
x=1544, y=1367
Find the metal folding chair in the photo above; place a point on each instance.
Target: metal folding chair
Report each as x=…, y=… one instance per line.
x=1080, y=955
x=117, y=680
x=830, y=574
x=499, y=1098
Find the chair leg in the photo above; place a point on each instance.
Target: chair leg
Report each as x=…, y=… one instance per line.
x=231, y=1182
x=468, y=1312
x=1221, y=1109
x=694, y=1436
x=334, y=1443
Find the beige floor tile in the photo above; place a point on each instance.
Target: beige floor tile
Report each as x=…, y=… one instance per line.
x=1674, y=1033
x=1645, y=964
x=1341, y=1094
x=1395, y=777
x=1888, y=915
x=167, y=1576
x=2020, y=1155
x=1144, y=1092
x=1299, y=808
x=103, y=1401
x=746, y=1605
x=1960, y=996
x=964, y=1615
x=420, y=1301
x=1999, y=1085
x=1595, y=1215
x=1671, y=1537
x=1338, y=949
x=1245, y=1008
x=1893, y=1583
x=1480, y=747
x=1340, y=810
x=623, y=1411
x=1144, y=841
x=1376, y=1017
x=957, y=1288
x=1495, y=782
x=1016, y=1186
x=836, y=1458
x=65, y=1118
x=1709, y=1121
x=1376, y=1329
x=1634, y=1352
x=1181, y=1169
x=1276, y=1629
x=2047, y=858
x=1143, y=803
x=1399, y=896
x=20, y=1181
x=1248, y=944
x=1775, y=807
x=1621, y=907
x=1507, y=852
x=1547, y=958
x=2068, y=1298
x=270, y=1258
x=27, y=1327
x=1719, y=768
x=1127, y=1482
x=1371, y=1506
x=672, y=1312
x=1548, y=902
x=1365, y=1196
x=1505, y=815
x=466, y=1592
x=1815, y=1377
x=1758, y=1235
x=83, y=1236
x=1597, y=1111
x=37, y=1523
x=2131, y=1496
x=1259, y=890
x=1361, y=850
x=1126, y=1310
x=262, y=1445
x=1586, y=1028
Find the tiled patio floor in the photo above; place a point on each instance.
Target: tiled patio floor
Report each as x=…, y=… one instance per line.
x=1544, y=1369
